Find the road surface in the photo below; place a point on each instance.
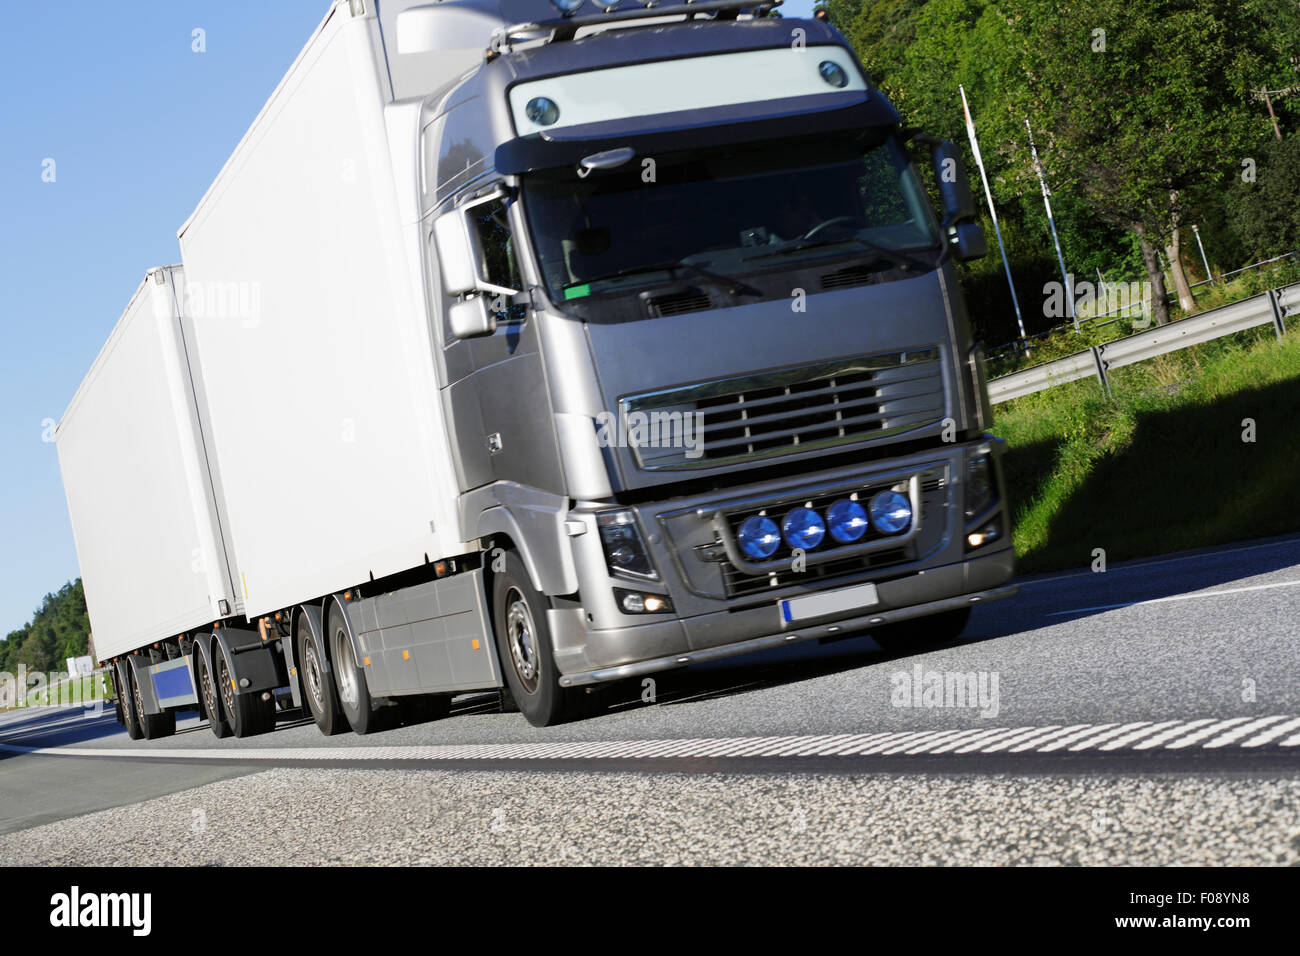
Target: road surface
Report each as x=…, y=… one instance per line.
x=1150, y=713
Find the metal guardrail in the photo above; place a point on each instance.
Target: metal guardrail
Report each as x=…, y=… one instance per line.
x=1094, y=321
x=1271, y=306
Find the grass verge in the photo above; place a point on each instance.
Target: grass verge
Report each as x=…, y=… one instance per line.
x=1165, y=464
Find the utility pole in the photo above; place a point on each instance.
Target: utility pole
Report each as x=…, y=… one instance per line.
x=1267, y=95
x=993, y=214
x=1051, y=221
x=1209, y=276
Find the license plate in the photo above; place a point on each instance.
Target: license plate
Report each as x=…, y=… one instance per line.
x=829, y=602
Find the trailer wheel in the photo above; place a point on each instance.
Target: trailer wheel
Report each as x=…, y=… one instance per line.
x=919, y=633
x=360, y=709
x=248, y=714
x=524, y=646
x=217, y=722
x=152, y=726
x=126, y=701
x=318, y=688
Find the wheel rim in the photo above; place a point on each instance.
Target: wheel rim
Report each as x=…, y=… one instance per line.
x=346, y=675
x=227, y=688
x=209, y=694
x=139, y=702
x=312, y=671
x=521, y=635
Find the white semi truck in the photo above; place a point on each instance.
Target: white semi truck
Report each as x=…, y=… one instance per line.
x=531, y=349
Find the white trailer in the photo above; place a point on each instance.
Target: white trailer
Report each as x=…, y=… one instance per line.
x=142, y=491
x=309, y=316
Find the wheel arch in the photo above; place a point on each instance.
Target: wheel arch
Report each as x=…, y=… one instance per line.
x=542, y=546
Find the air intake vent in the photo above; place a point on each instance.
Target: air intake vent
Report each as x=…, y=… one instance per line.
x=854, y=275
x=676, y=303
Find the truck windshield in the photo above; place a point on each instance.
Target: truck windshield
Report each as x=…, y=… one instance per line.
x=729, y=211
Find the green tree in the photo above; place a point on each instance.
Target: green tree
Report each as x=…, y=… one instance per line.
x=1264, y=213
x=59, y=629
x=1138, y=106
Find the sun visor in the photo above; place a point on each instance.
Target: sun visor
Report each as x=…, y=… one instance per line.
x=698, y=128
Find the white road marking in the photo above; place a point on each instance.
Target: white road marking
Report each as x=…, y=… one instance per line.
x=1240, y=732
x=1166, y=735
x=1068, y=739
x=1272, y=733
x=1039, y=739
x=1232, y=736
x=1205, y=733
x=1017, y=739
x=1177, y=597
x=1137, y=735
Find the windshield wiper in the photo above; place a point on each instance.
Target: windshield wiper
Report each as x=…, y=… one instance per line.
x=735, y=287
x=895, y=256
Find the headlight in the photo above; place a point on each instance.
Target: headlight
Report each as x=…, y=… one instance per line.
x=979, y=485
x=803, y=528
x=833, y=74
x=891, y=512
x=542, y=110
x=847, y=521
x=621, y=539
x=759, y=537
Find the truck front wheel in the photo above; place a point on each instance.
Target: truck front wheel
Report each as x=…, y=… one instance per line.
x=524, y=647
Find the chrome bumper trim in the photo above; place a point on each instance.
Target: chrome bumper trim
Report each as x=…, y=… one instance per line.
x=864, y=622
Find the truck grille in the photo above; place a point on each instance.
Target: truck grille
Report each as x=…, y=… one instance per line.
x=785, y=411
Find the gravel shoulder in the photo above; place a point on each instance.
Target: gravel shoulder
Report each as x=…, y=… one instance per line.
x=391, y=817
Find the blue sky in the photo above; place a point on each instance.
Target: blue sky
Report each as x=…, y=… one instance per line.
x=137, y=125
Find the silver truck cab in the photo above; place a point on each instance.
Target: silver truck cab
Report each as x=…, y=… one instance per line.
x=704, y=354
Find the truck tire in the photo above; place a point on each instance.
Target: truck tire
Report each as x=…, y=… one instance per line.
x=363, y=713
x=523, y=641
x=318, y=687
x=247, y=714
x=919, y=633
x=126, y=700
x=217, y=722
x=152, y=726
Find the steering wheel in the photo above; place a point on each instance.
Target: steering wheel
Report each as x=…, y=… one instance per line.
x=821, y=227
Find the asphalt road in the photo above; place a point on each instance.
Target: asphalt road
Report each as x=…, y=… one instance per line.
x=1148, y=713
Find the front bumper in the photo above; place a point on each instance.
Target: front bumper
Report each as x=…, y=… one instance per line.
x=810, y=632
x=719, y=611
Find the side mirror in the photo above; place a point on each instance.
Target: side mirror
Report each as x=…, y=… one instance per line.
x=459, y=249
x=954, y=187
x=470, y=318
x=969, y=241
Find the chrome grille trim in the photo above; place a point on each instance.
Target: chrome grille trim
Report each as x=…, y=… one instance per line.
x=793, y=410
